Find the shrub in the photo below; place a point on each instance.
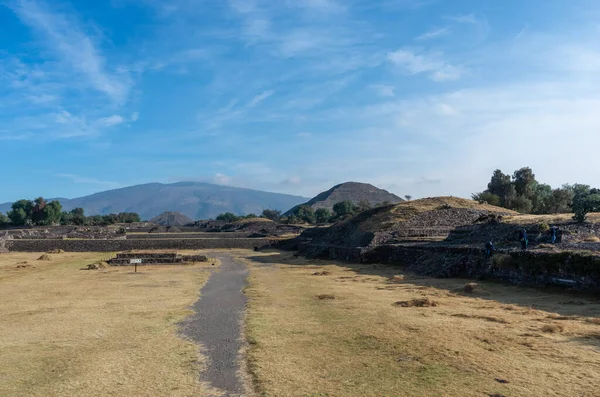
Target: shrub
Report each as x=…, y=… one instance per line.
x=543, y=227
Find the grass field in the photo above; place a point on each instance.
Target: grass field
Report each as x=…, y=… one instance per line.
x=317, y=328
x=112, y=332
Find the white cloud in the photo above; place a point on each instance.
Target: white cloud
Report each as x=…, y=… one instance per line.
x=72, y=45
x=434, y=34
x=419, y=62
x=135, y=116
x=464, y=18
x=221, y=179
x=260, y=97
x=111, y=121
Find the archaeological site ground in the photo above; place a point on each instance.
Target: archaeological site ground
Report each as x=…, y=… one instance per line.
x=398, y=300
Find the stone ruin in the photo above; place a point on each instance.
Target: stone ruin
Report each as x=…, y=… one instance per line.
x=4, y=242
x=155, y=258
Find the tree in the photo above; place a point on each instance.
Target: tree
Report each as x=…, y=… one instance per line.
x=591, y=203
x=228, y=217
x=38, y=217
x=305, y=213
x=77, y=216
x=487, y=197
x=522, y=204
x=273, y=215
x=501, y=186
x=343, y=208
x=363, y=205
x=52, y=213
x=4, y=220
x=251, y=216
x=408, y=197
x=21, y=212
x=322, y=215
x=524, y=182
x=561, y=200
x=541, y=198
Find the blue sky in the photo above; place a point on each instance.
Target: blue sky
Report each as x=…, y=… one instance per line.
x=421, y=97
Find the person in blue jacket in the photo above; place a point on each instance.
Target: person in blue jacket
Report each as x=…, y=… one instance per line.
x=489, y=249
x=554, y=234
x=524, y=240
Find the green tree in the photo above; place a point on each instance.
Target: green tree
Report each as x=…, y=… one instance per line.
x=408, y=197
x=524, y=182
x=228, y=217
x=251, y=216
x=273, y=215
x=21, y=212
x=38, y=217
x=487, y=197
x=541, y=198
x=590, y=203
x=4, y=220
x=322, y=215
x=501, y=186
x=77, y=216
x=52, y=213
x=363, y=205
x=561, y=200
x=305, y=213
x=343, y=208
x=522, y=204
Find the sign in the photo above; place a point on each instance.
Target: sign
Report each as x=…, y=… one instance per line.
x=136, y=261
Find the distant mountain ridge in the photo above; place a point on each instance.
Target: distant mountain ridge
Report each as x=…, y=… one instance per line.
x=196, y=200
x=350, y=191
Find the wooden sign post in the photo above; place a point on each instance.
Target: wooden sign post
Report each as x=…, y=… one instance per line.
x=135, y=263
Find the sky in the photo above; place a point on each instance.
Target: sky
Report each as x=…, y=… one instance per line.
x=419, y=97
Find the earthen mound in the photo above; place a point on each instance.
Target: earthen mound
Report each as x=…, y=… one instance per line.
x=171, y=219
x=45, y=257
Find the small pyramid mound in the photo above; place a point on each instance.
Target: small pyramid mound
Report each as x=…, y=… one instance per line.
x=382, y=224
x=171, y=219
x=45, y=257
x=350, y=191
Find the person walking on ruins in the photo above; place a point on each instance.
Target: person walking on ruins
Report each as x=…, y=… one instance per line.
x=489, y=249
x=524, y=240
x=554, y=234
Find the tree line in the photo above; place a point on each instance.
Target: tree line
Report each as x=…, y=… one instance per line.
x=305, y=213
x=523, y=193
x=42, y=213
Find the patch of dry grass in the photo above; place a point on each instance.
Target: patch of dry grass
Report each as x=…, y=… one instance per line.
x=111, y=332
x=360, y=344
x=549, y=219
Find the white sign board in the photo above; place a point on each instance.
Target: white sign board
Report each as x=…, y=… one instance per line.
x=132, y=261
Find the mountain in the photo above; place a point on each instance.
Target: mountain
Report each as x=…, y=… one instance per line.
x=196, y=200
x=350, y=191
x=171, y=219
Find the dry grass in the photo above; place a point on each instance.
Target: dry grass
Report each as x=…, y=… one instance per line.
x=591, y=239
x=407, y=209
x=417, y=302
x=549, y=219
x=112, y=332
x=360, y=344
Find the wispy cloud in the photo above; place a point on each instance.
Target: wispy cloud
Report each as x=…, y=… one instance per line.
x=434, y=33
x=384, y=90
x=463, y=18
x=111, y=121
x=414, y=62
x=63, y=35
x=260, y=97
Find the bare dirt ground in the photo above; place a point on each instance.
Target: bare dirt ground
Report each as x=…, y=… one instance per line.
x=320, y=328
x=112, y=332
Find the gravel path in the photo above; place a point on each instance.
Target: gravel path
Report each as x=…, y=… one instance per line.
x=217, y=326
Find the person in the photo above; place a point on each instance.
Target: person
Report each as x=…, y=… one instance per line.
x=523, y=238
x=489, y=249
x=554, y=234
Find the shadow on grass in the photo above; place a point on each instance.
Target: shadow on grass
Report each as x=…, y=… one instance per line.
x=549, y=299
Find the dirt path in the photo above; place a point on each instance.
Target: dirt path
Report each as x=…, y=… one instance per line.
x=217, y=326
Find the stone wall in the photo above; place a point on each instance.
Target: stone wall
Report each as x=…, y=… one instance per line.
x=155, y=236
x=578, y=270
x=126, y=245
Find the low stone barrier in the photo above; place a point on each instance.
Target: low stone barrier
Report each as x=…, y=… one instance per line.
x=159, y=236
x=127, y=245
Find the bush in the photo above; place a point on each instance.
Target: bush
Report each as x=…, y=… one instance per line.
x=543, y=227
